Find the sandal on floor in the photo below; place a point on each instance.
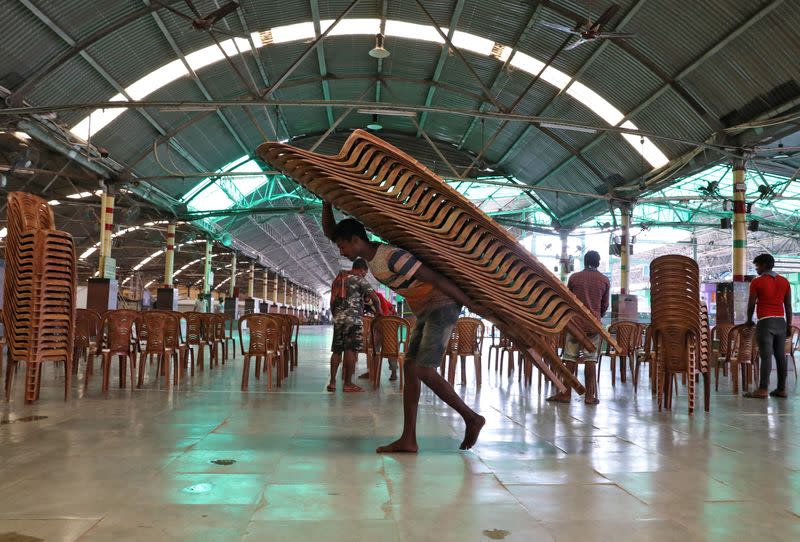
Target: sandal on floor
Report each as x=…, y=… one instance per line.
x=778, y=393
x=331, y=388
x=557, y=398
x=353, y=389
x=592, y=401
x=756, y=395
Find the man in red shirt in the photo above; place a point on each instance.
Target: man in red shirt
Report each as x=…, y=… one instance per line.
x=592, y=288
x=771, y=294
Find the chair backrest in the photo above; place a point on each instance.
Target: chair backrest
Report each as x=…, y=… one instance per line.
x=194, y=327
x=742, y=343
x=721, y=334
x=119, y=327
x=87, y=327
x=792, y=341
x=157, y=324
x=264, y=331
x=675, y=344
x=220, y=325
x=208, y=326
x=366, y=331
x=389, y=335
x=172, y=329
x=469, y=336
x=627, y=334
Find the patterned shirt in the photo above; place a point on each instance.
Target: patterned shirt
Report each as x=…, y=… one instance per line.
x=592, y=288
x=395, y=268
x=349, y=309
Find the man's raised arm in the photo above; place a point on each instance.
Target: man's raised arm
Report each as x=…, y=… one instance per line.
x=328, y=221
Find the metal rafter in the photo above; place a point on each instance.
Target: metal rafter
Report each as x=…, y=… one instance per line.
x=323, y=68
x=443, y=54
x=196, y=78
x=105, y=75
x=689, y=68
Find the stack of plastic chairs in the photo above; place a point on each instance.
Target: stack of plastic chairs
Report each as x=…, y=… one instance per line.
x=679, y=333
x=40, y=282
x=407, y=205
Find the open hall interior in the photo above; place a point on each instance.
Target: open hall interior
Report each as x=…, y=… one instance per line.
x=176, y=180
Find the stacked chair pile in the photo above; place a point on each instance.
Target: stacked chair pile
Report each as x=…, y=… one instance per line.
x=406, y=204
x=679, y=327
x=39, y=307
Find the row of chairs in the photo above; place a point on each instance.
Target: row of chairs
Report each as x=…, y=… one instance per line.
x=272, y=343
x=159, y=335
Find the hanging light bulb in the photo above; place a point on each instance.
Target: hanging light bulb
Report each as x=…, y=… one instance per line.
x=378, y=51
x=781, y=153
x=374, y=125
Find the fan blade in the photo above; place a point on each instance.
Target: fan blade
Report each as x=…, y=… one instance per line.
x=606, y=16
x=575, y=44
x=559, y=27
x=216, y=16
x=615, y=35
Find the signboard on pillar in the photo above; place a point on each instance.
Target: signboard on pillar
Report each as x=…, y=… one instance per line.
x=109, y=268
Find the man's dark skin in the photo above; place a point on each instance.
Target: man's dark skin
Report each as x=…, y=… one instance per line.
x=414, y=374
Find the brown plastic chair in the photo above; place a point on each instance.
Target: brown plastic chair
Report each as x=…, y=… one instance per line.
x=645, y=355
x=466, y=340
x=366, y=344
x=792, y=342
x=720, y=336
x=195, y=336
x=628, y=336
x=162, y=343
x=743, y=355
x=389, y=337
x=118, y=328
x=87, y=338
x=264, y=332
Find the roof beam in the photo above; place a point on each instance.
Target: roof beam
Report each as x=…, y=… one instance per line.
x=694, y=64
x=443, y=54
x=171, y=40
x=323, y=68
x=103, y=73
x=502, y=69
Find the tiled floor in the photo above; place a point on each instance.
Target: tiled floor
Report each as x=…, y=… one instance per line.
x=138, y=465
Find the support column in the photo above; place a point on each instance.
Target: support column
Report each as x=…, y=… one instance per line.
x=274, y=288
x=169, y=256
x=207, y=268
x=106, y=228
x=739, y=223
x=232, y=285
x=564, y=260
x=624, y=251
x=265, y=292
x=251, y=281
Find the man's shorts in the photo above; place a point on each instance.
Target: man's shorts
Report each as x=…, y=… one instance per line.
x=347, y=335
x=430, y=335
x=573, y=348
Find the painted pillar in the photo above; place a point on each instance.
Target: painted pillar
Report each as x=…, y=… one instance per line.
x=624, y=253
x=564, y=260
x=106, y=228
x=251, y=281
x=694, y=248
x=265, y=292
x=207, y=268
x=169, y=256
x=232, y=285
x=739, y=223
x=274, y=288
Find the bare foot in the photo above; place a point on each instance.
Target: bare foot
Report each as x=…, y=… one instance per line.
x=393, y=377
x=399, y=446
x=471, y=434
x=364, y=376
x=352, y=388
x=558, y=398
x=592, y=401
x=331, y=387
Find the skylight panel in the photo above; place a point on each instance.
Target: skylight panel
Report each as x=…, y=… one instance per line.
x=352, y=27
x=292, y=32
x=98, y=119
x=473, y=43
x=527, y=63
x=412, y=31
x=156, y=79
x=651, y=153
x=596, y=103
x=213, y=197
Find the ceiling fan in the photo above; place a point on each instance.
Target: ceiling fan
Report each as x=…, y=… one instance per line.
x=204, y=22
x=591, y=31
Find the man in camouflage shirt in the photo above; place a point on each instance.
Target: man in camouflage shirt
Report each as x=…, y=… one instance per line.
x=348, y=292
